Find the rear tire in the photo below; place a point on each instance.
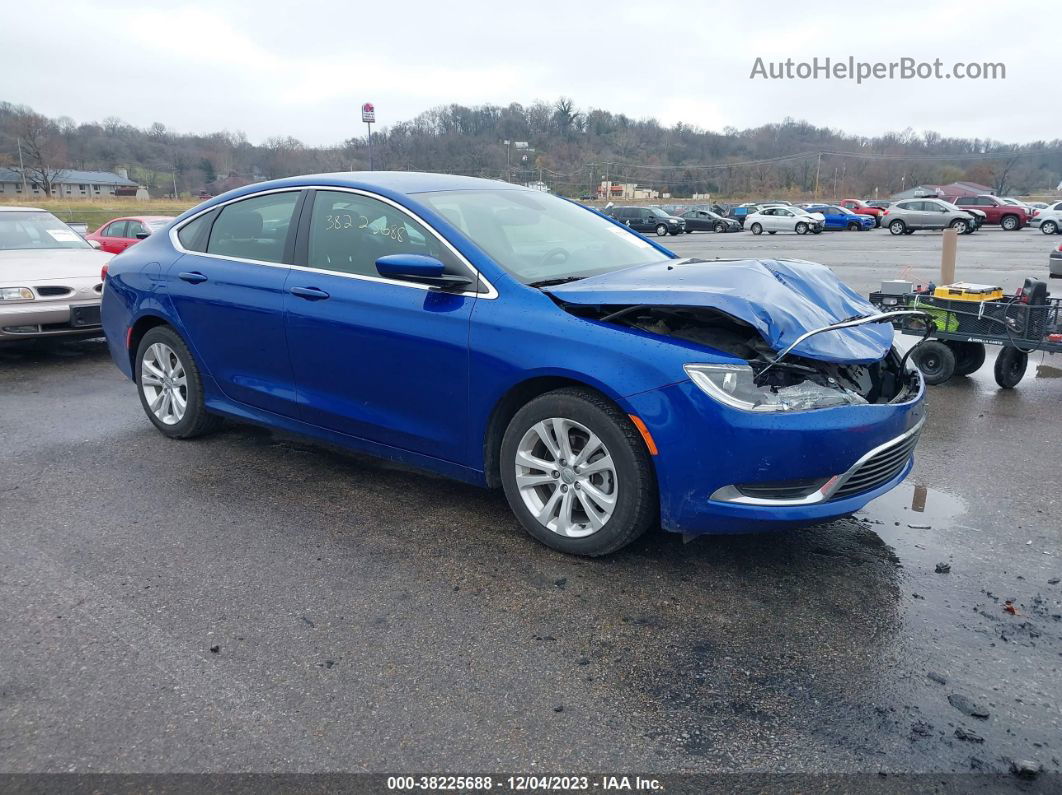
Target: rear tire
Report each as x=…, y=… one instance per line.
x=574, y=419
x=1010, y=367
x=897, y=227
x=167, y=376
x=1009, y=222
x=969, y=356
x=935, y=360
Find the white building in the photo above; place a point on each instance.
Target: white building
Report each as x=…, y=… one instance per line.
x=69, y=184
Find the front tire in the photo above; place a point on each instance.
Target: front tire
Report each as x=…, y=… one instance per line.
x=661, y=230
x=969, y=356
x=897, y=227
x=960, y=226
x=854, y=227
x=170, y=388
x=801, y=228
x=577, y=473
x=935, y=360
x=756, y=229
x=720, y=228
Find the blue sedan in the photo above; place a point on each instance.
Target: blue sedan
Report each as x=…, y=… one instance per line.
x=842, y=218
x=509, y=338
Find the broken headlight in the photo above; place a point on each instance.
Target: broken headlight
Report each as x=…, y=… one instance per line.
x=735, y=385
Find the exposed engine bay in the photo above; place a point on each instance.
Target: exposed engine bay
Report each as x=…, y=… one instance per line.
x=786, y=380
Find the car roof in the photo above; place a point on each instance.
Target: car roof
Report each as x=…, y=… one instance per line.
x=8, y=208
x=402, y=181
x=143, y=218
x=395, y=185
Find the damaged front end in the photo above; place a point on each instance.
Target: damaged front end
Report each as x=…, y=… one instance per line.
x=768, y=380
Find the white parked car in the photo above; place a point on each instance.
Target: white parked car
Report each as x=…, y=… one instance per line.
x=50, y=278
x=785, y=219
x=1049, y=220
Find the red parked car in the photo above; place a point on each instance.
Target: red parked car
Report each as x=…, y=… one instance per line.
x=121, y=233
x=997, y=211
x=860, y=207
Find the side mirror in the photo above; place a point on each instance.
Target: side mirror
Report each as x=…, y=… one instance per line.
x=418, y=268
x=94, y=243
x=143, y=235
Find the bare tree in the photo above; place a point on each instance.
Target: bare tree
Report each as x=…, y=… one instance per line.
x=42, y=150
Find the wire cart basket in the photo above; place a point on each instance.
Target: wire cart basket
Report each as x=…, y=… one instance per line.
x=1020, y=324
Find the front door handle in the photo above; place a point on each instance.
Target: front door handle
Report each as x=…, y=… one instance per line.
x=309, y=293
x=192, y=277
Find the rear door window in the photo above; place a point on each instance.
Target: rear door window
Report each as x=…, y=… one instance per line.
x=255, y=228
x=116, y=229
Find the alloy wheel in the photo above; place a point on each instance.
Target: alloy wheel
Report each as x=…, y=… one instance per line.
x=164, y=383
x=566, y=477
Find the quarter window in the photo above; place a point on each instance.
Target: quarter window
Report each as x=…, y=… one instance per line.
x=255, y=228
x=193, y=235
x=349, y=232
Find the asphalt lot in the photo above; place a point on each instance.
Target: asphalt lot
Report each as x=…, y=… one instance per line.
x=369, y=618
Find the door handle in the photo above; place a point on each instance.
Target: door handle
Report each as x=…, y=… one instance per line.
x=309, y=293
x=192, y=277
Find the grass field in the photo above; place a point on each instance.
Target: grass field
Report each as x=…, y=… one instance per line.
x=96, y=212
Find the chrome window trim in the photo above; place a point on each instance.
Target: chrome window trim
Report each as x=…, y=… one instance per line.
x=491, y=292
x=731, y=494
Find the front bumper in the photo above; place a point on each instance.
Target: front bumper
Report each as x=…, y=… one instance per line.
x=705, y=450
x=1055, y=265
x=75, y=314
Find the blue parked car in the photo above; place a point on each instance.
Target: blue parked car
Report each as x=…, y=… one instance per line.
x=842, y=218
x=506, y=337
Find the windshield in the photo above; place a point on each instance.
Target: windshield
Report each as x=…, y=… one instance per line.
x=537, y=237
x=658, y=212
x=36, y=230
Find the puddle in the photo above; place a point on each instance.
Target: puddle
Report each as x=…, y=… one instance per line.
x=916, y=521
x=1048, y=371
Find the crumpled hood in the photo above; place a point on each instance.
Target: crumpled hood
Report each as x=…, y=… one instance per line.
x=781, y=299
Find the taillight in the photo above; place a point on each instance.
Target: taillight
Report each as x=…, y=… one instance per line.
x=885, y=211
x=103, y=271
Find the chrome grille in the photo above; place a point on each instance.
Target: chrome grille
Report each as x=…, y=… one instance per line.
x=880, y=468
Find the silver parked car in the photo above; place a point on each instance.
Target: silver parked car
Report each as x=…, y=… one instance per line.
x=908, y=216
x=50, y=282
x=779, y=218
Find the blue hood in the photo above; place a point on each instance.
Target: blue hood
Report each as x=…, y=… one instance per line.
x=781, y=299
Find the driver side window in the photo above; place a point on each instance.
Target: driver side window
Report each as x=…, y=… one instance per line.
x=349, y=232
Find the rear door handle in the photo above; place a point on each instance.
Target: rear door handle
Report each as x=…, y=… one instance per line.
x=309, y=293
x=192, y=277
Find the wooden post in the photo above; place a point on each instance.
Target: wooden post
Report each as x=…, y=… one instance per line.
x=947, y=256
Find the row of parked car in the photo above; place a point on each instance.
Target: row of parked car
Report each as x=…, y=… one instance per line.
x=966, y=214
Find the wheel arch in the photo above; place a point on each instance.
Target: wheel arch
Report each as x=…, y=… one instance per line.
x=142, y=326
x=518, y=396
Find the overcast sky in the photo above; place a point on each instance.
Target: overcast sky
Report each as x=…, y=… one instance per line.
x=303, y=69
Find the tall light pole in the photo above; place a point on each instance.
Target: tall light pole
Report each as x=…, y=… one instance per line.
x=368, y=115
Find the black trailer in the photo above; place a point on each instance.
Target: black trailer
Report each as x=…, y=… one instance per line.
x=955, y=343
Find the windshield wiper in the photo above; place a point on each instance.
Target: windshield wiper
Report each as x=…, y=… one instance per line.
x=552, y=282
